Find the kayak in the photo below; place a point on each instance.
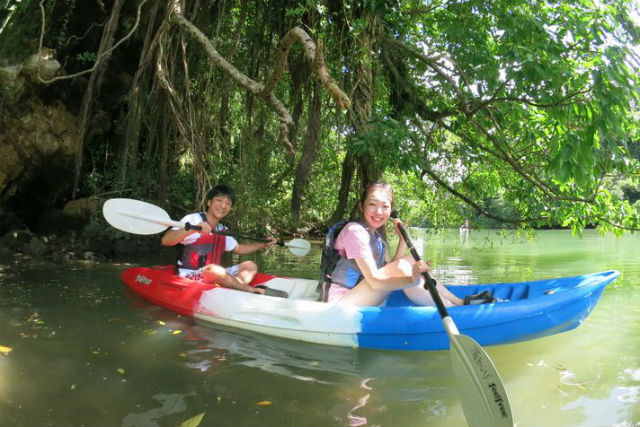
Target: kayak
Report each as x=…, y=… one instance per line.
x=524, y=311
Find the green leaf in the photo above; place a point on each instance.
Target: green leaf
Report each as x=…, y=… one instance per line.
x=193, y=421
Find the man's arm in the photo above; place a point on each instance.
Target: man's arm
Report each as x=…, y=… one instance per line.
x=247, y=249
x=172, y=237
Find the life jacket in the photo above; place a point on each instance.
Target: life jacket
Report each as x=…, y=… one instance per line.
x=340, y=270
x=208, y=249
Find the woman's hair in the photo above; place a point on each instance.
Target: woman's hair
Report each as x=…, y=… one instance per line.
x=378, y=185
x=224, y=190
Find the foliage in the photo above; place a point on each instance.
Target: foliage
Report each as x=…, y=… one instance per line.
x=512, y=113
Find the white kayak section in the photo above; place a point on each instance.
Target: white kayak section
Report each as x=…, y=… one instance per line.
x=524, y=311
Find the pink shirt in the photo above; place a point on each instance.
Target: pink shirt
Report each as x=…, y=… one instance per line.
x=353, y=241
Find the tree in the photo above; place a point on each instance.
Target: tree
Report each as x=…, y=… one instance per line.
x=533, y=100
x=527, y=105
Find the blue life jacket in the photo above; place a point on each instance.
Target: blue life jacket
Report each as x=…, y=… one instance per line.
x=340, y=270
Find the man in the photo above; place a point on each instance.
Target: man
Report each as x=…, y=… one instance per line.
x=203, y=250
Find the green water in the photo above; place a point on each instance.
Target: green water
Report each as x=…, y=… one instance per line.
x=86, y=352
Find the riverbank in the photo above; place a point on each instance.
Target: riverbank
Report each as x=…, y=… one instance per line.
x=94, y=243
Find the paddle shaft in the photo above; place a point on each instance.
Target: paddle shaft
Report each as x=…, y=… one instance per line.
x=163, y=220
x=189, y=226
x=483, y=397
x=428, y=280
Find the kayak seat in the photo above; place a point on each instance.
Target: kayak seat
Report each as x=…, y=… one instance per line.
x=271, y=292
x=519, y=292
x=296, y=289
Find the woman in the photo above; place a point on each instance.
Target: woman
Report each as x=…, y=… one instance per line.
x=364, y=275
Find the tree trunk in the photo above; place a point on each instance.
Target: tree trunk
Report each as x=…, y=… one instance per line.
x=363, y=101
x=137, y=98
x=226, y=89
x=359, y=116
x=309, y=154
x=93, y=89
x=348, y=168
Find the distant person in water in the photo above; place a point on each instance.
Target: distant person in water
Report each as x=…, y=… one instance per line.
x=202, y=253
x=364, y=274
x=465, y=230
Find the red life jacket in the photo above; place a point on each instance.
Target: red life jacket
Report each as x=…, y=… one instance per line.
x=208, y=249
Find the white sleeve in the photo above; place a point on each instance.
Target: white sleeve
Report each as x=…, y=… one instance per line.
x=230, y=244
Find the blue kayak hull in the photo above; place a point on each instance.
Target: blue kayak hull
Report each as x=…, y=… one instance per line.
x=531, y=310
x=527, y=310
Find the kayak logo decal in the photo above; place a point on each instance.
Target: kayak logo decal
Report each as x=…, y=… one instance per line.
x=143, y=280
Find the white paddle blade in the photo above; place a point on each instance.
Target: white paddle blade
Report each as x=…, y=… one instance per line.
x=482, y=395
x=298, y=247
x=137, y=217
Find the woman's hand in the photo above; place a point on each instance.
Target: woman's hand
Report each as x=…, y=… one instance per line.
x=397, y=221
x=402, y=245
x=420, y=267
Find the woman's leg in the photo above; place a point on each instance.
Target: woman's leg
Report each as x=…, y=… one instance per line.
x=365, y=293
x=419, y=295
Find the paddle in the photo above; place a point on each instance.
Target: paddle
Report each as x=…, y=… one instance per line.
x=135, y=216
x=482, y=393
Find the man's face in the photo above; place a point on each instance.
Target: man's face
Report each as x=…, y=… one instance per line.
x=220, y=206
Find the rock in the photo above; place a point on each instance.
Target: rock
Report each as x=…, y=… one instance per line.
x=81, y=208
x=15, y=240
x=5, y=253
x=11, y=83
x=37, y=140
x=41, y=65
x=35, y=247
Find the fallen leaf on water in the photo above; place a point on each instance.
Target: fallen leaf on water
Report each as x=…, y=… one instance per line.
x=73, y=386
x=219, y=398
x=264, y=403
x=161, y=323
x=176, y=332
x=193, y=421
x=120, y=371
x=5, y=350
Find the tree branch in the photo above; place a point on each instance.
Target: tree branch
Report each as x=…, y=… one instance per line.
x=442, y=183
x=100, y=56
x=314, y=54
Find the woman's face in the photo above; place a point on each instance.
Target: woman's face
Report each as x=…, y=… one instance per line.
x=377, y=208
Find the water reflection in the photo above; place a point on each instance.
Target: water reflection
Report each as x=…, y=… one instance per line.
x=355, y=420
x=214, y=346
x=86, y=352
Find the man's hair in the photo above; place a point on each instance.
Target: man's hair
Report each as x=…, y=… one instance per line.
x=224, y=190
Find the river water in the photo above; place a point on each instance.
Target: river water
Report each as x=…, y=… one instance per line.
x=76, y=348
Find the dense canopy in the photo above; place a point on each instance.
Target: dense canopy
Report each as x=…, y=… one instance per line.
x=510, y=112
